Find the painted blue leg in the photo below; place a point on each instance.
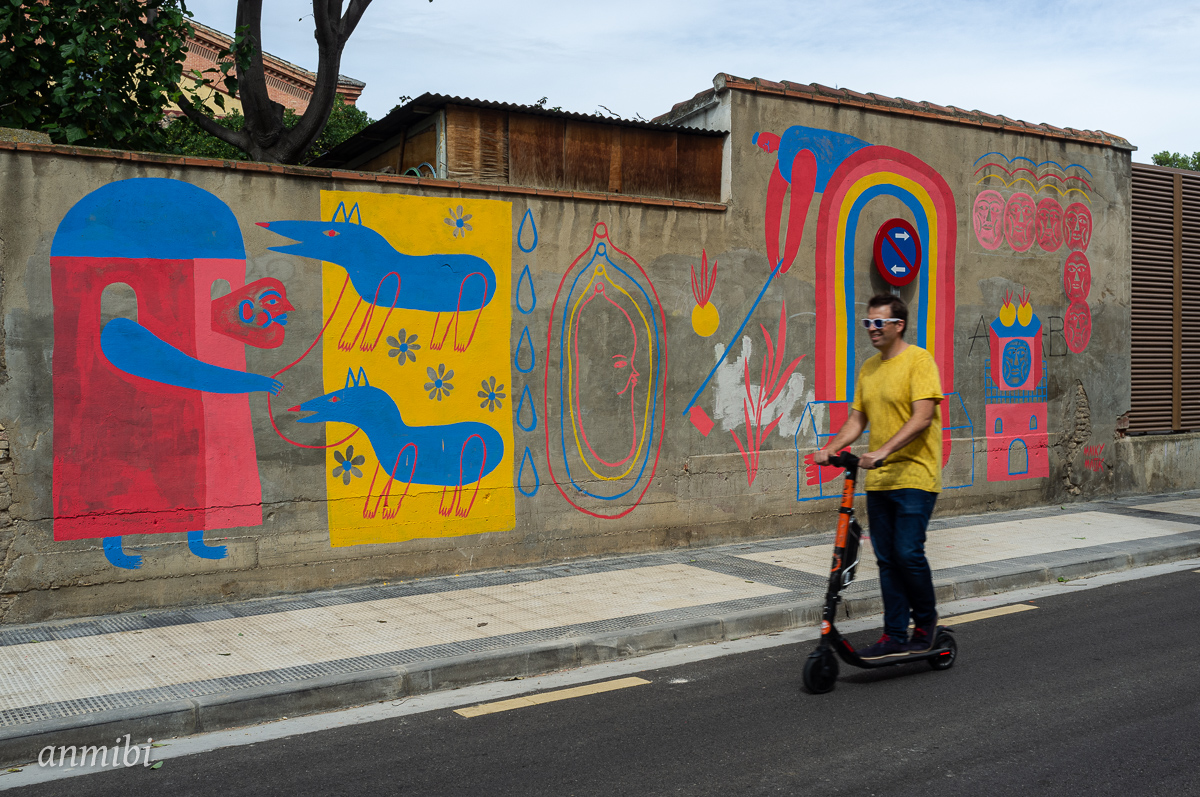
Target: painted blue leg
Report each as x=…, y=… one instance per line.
x=117, y=557
x=198, y=546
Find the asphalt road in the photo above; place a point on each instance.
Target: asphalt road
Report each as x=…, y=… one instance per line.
x=1094, y=692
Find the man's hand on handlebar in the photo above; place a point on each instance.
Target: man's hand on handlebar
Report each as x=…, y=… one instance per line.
x=871, y=459
x=821, y=456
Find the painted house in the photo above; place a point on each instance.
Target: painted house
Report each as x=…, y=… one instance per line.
x=482, y=334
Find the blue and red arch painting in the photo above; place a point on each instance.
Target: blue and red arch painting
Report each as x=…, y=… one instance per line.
x=850, y=173
x=867, y=174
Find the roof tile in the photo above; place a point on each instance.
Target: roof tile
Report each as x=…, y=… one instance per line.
x=828, y=90
x=817, y=91
x=803, y=88
x=769, y=85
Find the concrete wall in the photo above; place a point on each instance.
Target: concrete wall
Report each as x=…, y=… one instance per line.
x=141, y=340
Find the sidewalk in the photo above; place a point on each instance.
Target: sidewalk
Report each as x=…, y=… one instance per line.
x=177, y=672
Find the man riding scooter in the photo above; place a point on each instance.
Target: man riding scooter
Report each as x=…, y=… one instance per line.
x=897, y=394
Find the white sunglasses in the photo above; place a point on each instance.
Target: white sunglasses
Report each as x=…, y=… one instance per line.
x=877, y=323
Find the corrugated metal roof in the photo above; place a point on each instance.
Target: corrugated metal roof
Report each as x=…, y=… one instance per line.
x=406, y=115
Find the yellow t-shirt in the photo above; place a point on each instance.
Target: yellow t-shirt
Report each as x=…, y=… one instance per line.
x=885, y=393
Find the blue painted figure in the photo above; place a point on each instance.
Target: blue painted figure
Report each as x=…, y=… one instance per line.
x=136, y=350
x=453, y=455
x=392, y=279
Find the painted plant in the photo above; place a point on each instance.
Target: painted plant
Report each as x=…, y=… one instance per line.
x=756, y=404
x=705, y=318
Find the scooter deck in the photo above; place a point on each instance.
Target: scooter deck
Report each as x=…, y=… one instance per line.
x=849, y=655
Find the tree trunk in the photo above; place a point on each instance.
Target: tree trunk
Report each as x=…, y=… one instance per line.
x=264, y=137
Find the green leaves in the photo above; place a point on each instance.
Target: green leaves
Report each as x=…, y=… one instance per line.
x=1177, y=160
x=90, y=73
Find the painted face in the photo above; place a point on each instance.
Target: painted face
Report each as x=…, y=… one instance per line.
x=767, y=142
x=1077, y=276
x=1077, y=326
x=986, y=216
x=1077, y=227
x=1048, y=227
x=1019, y=214
x=255, y=314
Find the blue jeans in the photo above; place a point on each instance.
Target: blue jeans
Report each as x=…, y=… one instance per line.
x=898, y=519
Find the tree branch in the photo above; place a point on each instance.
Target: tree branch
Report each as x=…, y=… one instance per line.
x=236, y=138
x=332, y=32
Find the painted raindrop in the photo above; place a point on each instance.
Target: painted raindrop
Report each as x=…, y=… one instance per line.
x=527, y=401
x=528, y=217
x=537, y=482
x=526, y=279
x=527, y=342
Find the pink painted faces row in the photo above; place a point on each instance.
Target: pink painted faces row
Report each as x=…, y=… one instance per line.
x=1019, y=221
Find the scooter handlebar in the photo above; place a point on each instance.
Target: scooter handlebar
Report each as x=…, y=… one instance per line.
x=844, y=460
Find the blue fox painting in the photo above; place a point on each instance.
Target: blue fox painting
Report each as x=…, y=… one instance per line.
x=450, y=455
x=388, y=279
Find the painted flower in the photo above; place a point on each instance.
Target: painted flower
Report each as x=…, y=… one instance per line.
x=439, y=384
x=348, y=465
x=402, y=347
x=491, y=394
x=459, y=222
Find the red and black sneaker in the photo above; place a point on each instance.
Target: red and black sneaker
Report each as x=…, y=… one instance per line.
x=886, y=647
x=923, y=637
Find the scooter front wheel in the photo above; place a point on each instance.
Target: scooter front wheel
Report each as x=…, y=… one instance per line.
x=820, y=671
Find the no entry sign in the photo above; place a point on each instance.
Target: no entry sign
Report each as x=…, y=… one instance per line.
x=897, y=252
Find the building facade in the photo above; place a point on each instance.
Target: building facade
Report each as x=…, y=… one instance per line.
x=287, y=84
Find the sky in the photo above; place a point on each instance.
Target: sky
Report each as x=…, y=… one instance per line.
x=1134, y=72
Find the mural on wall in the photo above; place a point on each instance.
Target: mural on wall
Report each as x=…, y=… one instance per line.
x=404, y=267
x=804, y=160
x=151, y=408
x=606, y=300
x=1015, y=395
x=1023, y=216
x=1060, y=221
x=849, y=173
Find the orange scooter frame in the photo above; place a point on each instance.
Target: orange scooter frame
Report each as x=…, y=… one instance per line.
x=821, y=667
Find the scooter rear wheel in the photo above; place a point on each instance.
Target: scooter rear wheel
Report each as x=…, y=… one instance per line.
x=820, y=672
x=949, y=652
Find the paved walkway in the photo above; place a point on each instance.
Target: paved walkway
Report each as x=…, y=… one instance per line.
x=164, y=673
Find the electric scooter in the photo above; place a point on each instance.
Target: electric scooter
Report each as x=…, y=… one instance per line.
x=821, y=668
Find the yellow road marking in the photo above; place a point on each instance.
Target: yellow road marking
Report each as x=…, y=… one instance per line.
x=986, y=613
x=549, y=697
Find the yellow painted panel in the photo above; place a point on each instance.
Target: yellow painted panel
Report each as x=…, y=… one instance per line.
x=418, y=226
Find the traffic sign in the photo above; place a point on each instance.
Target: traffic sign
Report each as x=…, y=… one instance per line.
x=897, y=252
